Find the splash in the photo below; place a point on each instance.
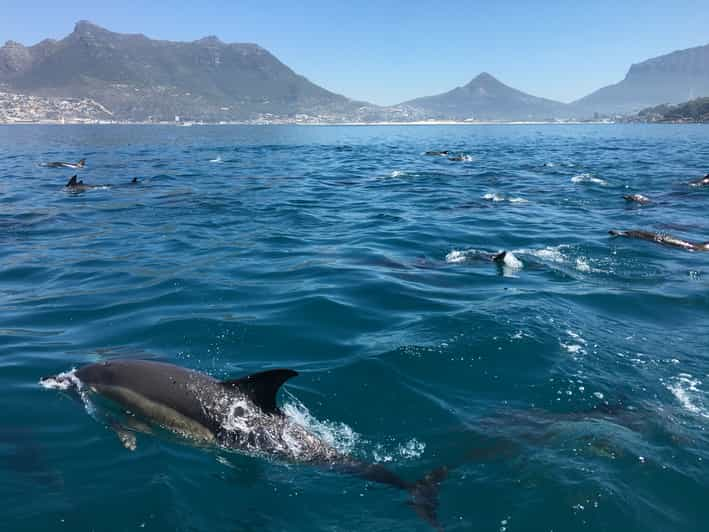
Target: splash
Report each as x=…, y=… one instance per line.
x=62, y=381
x=497, y=197
x=588, y=178
x=685, y=388
x=397, y=173
x=338, y=435
x=217, y=160
x=456, y=257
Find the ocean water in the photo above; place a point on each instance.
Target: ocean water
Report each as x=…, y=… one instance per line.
x=566, y=389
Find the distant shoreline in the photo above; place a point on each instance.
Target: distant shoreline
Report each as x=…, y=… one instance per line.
x=319, y=124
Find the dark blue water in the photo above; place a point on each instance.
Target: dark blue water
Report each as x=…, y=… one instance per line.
x=566, y=391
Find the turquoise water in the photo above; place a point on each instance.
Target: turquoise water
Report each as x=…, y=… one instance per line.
x=566, y=391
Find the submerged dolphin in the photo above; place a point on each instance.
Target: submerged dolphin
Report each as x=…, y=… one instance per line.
x=437, y=153
x=239, y=414
x=667, y=240
x=79, y=164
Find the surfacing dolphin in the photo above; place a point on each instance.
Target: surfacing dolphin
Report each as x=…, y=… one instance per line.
x=660, y=238
x=701, y=182
x=239, y=414
x=74, y=185
x=79, y=164
x=637, y=198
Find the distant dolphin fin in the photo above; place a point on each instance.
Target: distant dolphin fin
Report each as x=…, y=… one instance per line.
x=262, y=387
x=72, y=182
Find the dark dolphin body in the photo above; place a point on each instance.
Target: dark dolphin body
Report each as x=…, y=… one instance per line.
x=701, y=182
x=437, y=153
x=74, y=185
x=79, y=164
x=239, y=414
x=667, y=240
x=637, y=198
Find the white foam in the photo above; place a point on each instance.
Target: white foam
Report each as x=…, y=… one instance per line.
x=63, y=381
x=494, y=196
x=412, y=449
x=588, y=178
x=582, y=265
x=512, y=262
x=217, y=160
x=397, y=173
x=575, y=346
x=549, y=253
x=456, y=257
x=685, y=388
x=338, y=435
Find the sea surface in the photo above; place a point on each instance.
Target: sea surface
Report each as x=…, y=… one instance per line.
x=566, y=389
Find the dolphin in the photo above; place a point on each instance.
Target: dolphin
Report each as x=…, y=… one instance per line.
x=238, y=414
x=74, y=185
x=701, y=182
x=80, y=164
x=637, y=198
x=667, y=240
x=443, y=153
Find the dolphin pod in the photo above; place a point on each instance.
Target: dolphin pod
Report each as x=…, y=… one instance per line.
x=60, y=164
x=660, y=238
x=76, y=185
x=239, y=414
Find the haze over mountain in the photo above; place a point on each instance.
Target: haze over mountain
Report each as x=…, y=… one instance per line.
x=673, y=78
x=486, y=98
x=137, y=78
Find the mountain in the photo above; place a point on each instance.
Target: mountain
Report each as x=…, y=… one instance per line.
x=694, y=111
x=137, y=78
x=671, y=78
x=486, y=98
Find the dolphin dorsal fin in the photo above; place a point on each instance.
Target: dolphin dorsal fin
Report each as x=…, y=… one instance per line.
x=72, y=182
x=262, y=387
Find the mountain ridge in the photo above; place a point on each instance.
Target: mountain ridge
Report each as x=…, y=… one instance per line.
x=136, y=78
x=139, y=78
x=485, y=97
x=670, y=78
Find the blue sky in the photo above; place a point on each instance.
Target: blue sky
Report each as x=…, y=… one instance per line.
x=390, y=51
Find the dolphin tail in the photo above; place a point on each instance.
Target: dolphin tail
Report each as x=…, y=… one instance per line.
x=424, y=492
x=424, y=496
